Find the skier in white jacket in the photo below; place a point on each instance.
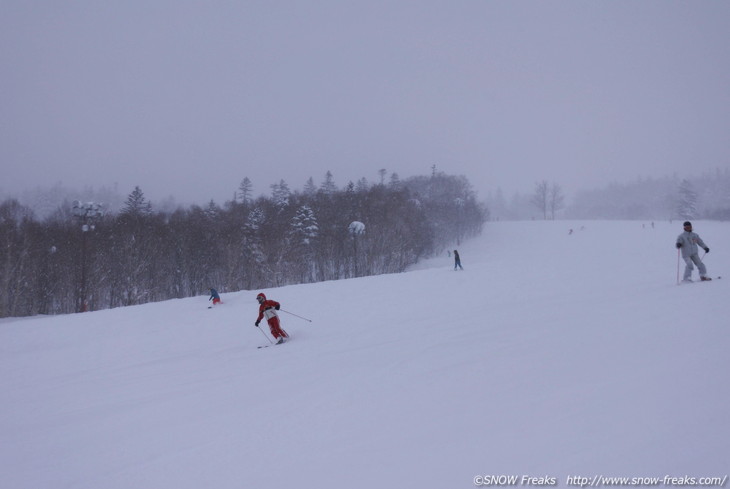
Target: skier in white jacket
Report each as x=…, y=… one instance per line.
x=689, y=242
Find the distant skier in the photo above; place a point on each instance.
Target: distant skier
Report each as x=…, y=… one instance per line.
x=215, y=297
x=689, y=242
x=457, y=260
x=268, y=308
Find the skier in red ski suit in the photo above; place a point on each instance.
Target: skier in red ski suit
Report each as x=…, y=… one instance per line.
x=268, y=309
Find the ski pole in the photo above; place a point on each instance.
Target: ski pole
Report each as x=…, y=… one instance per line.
x=265, y=335
x=295, y=315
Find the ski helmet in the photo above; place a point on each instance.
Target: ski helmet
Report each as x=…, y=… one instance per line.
x=687, y=223
x=261, y=297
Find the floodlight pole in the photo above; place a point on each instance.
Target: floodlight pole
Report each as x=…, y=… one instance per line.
x=86, y=213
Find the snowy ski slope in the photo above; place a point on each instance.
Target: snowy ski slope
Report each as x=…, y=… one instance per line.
x=552, y=355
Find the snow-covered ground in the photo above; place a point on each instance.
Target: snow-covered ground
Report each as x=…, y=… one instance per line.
x=552, y=354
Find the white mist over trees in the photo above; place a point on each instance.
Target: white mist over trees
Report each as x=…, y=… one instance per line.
x=686, y=201
x=548, y=198
x=700, y=197
x=703, y=197
x=141, y=254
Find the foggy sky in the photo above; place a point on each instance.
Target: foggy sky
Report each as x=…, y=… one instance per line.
x=186, y=98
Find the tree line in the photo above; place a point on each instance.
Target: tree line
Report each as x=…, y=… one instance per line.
x=80, y=258
x=706, y=196
x=547, y=199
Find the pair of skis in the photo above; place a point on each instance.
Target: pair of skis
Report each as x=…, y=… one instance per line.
x=697, y=281
x=280, y=342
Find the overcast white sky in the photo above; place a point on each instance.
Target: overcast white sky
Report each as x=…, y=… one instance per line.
x=186, y=98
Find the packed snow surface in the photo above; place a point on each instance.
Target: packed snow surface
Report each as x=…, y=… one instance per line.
x=552, y=355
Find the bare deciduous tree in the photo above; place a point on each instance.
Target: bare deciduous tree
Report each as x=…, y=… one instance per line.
x=556, y=199
x=540, y=197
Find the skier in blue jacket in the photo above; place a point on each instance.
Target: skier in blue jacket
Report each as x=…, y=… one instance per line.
x=690, y=242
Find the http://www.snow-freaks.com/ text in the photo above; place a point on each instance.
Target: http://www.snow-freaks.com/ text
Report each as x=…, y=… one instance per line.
x=596, y=481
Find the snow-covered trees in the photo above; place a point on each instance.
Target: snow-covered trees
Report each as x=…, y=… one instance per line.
x=686, y=203
x=252, y=249
x=142, y=254
x=280, y=194
x=301, y=244
x=304, y=229
x=450, y=206
x=356, y=229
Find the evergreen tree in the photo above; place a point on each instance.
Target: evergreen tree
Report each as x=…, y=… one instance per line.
x=686, y=205
x=245, y=191
x=301, y=239
x=362, y=185
x=136, y=205
x=304, y=228
x=253, y=257
x=310, y=188
x=212, y=212
x=328, y=186
x=280, y=194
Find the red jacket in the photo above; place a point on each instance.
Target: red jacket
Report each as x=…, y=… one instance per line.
x=267, y=304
